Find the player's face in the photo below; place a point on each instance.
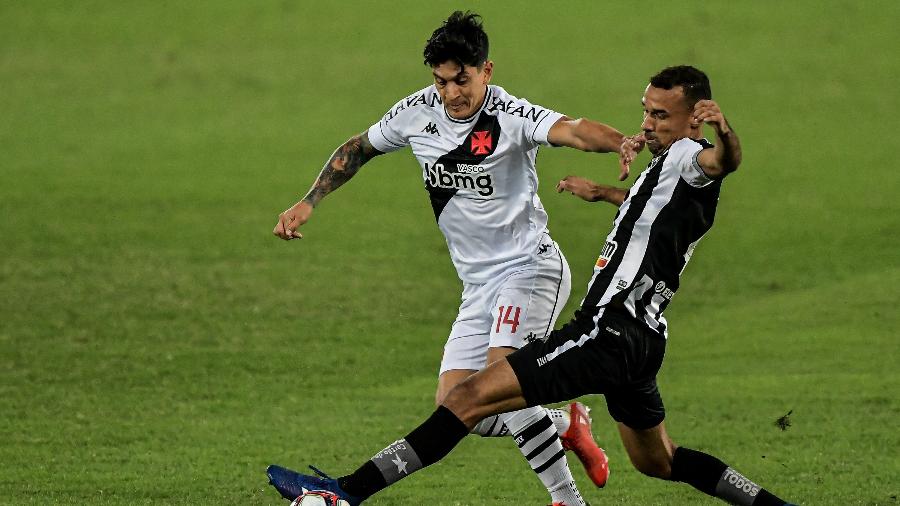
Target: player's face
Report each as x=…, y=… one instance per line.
x=462, y=89
x=667, y=117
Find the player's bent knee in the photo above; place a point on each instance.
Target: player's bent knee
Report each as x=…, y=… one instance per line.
x=447, y=381
x=467, y=401
x=440, y=395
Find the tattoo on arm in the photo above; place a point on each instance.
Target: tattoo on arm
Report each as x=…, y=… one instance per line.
x=344, y=163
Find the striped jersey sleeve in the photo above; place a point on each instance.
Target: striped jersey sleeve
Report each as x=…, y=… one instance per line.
x=683, y=155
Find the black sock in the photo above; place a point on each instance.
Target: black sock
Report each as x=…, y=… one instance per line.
x=425, y=445
x=712, y=476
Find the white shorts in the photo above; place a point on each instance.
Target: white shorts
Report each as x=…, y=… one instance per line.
x=510, y=311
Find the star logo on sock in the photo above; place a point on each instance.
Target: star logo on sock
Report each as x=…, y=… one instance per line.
x=401, y=466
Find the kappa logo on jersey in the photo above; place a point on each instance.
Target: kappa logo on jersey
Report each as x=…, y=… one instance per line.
x=466, y=179
x=481, y=142
x=431, y=128
x=606, y=253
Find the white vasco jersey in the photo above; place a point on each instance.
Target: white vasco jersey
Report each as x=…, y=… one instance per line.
x=479, y=173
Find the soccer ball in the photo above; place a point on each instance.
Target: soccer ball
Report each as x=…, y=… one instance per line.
x=319, y=498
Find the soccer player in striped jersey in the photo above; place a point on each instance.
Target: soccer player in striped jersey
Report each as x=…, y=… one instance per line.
x=616, y=341
x=476, y=144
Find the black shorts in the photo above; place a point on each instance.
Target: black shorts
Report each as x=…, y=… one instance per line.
x=621, y=362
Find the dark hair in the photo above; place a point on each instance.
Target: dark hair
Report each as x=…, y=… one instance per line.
x=693, y=81
x=460, y=39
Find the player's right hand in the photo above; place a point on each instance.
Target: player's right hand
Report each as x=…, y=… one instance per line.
x=290, y=220
x=629, y=150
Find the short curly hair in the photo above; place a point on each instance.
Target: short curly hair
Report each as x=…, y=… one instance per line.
x=461, y=39
x=693, y=81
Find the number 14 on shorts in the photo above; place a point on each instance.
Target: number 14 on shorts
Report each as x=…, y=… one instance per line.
x=506, y=316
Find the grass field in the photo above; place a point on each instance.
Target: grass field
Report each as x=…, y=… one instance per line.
x=159, y=346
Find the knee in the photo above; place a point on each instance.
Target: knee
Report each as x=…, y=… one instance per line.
x=466, y=400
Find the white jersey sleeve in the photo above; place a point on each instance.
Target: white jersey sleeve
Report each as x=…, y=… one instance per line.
x=537, y=121
x=385, y=136
x=397, y=126
x=541, y=128
x=683, y=155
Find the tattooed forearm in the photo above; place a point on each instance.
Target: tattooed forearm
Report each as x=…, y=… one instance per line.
x=343, y=165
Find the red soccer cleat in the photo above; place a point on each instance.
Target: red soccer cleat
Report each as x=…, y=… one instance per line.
x=580, y=440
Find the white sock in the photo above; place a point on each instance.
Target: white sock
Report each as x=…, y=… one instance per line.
x=560, y=419
x=536, y=436
x=492, y=426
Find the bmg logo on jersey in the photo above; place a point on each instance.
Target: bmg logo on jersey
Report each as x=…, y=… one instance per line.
x=466, y=179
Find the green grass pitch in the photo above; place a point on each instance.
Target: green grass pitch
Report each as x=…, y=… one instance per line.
x=159, y=346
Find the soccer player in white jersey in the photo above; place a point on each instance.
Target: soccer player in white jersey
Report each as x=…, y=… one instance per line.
x=476, y=145
x=615, y=343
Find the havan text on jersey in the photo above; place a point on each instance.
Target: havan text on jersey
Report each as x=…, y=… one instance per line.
x=503, y=104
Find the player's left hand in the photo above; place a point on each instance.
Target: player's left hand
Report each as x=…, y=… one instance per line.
x=629, y=150
x=707, y=111
x=580, y=187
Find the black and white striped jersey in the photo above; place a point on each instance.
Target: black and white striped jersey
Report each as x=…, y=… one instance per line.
x=666, y=212
x=479, y=173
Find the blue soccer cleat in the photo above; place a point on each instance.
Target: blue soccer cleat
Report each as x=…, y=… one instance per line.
x=291, y=484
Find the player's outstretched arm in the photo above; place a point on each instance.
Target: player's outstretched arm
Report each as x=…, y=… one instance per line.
x=585, y=135
x=588, y=135
x=344, y=163
x=725, y=157
x=591, y=191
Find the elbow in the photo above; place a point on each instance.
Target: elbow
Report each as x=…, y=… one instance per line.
x=732, y=165
x=734, y=161
x=727, y=166
x=719, y=171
